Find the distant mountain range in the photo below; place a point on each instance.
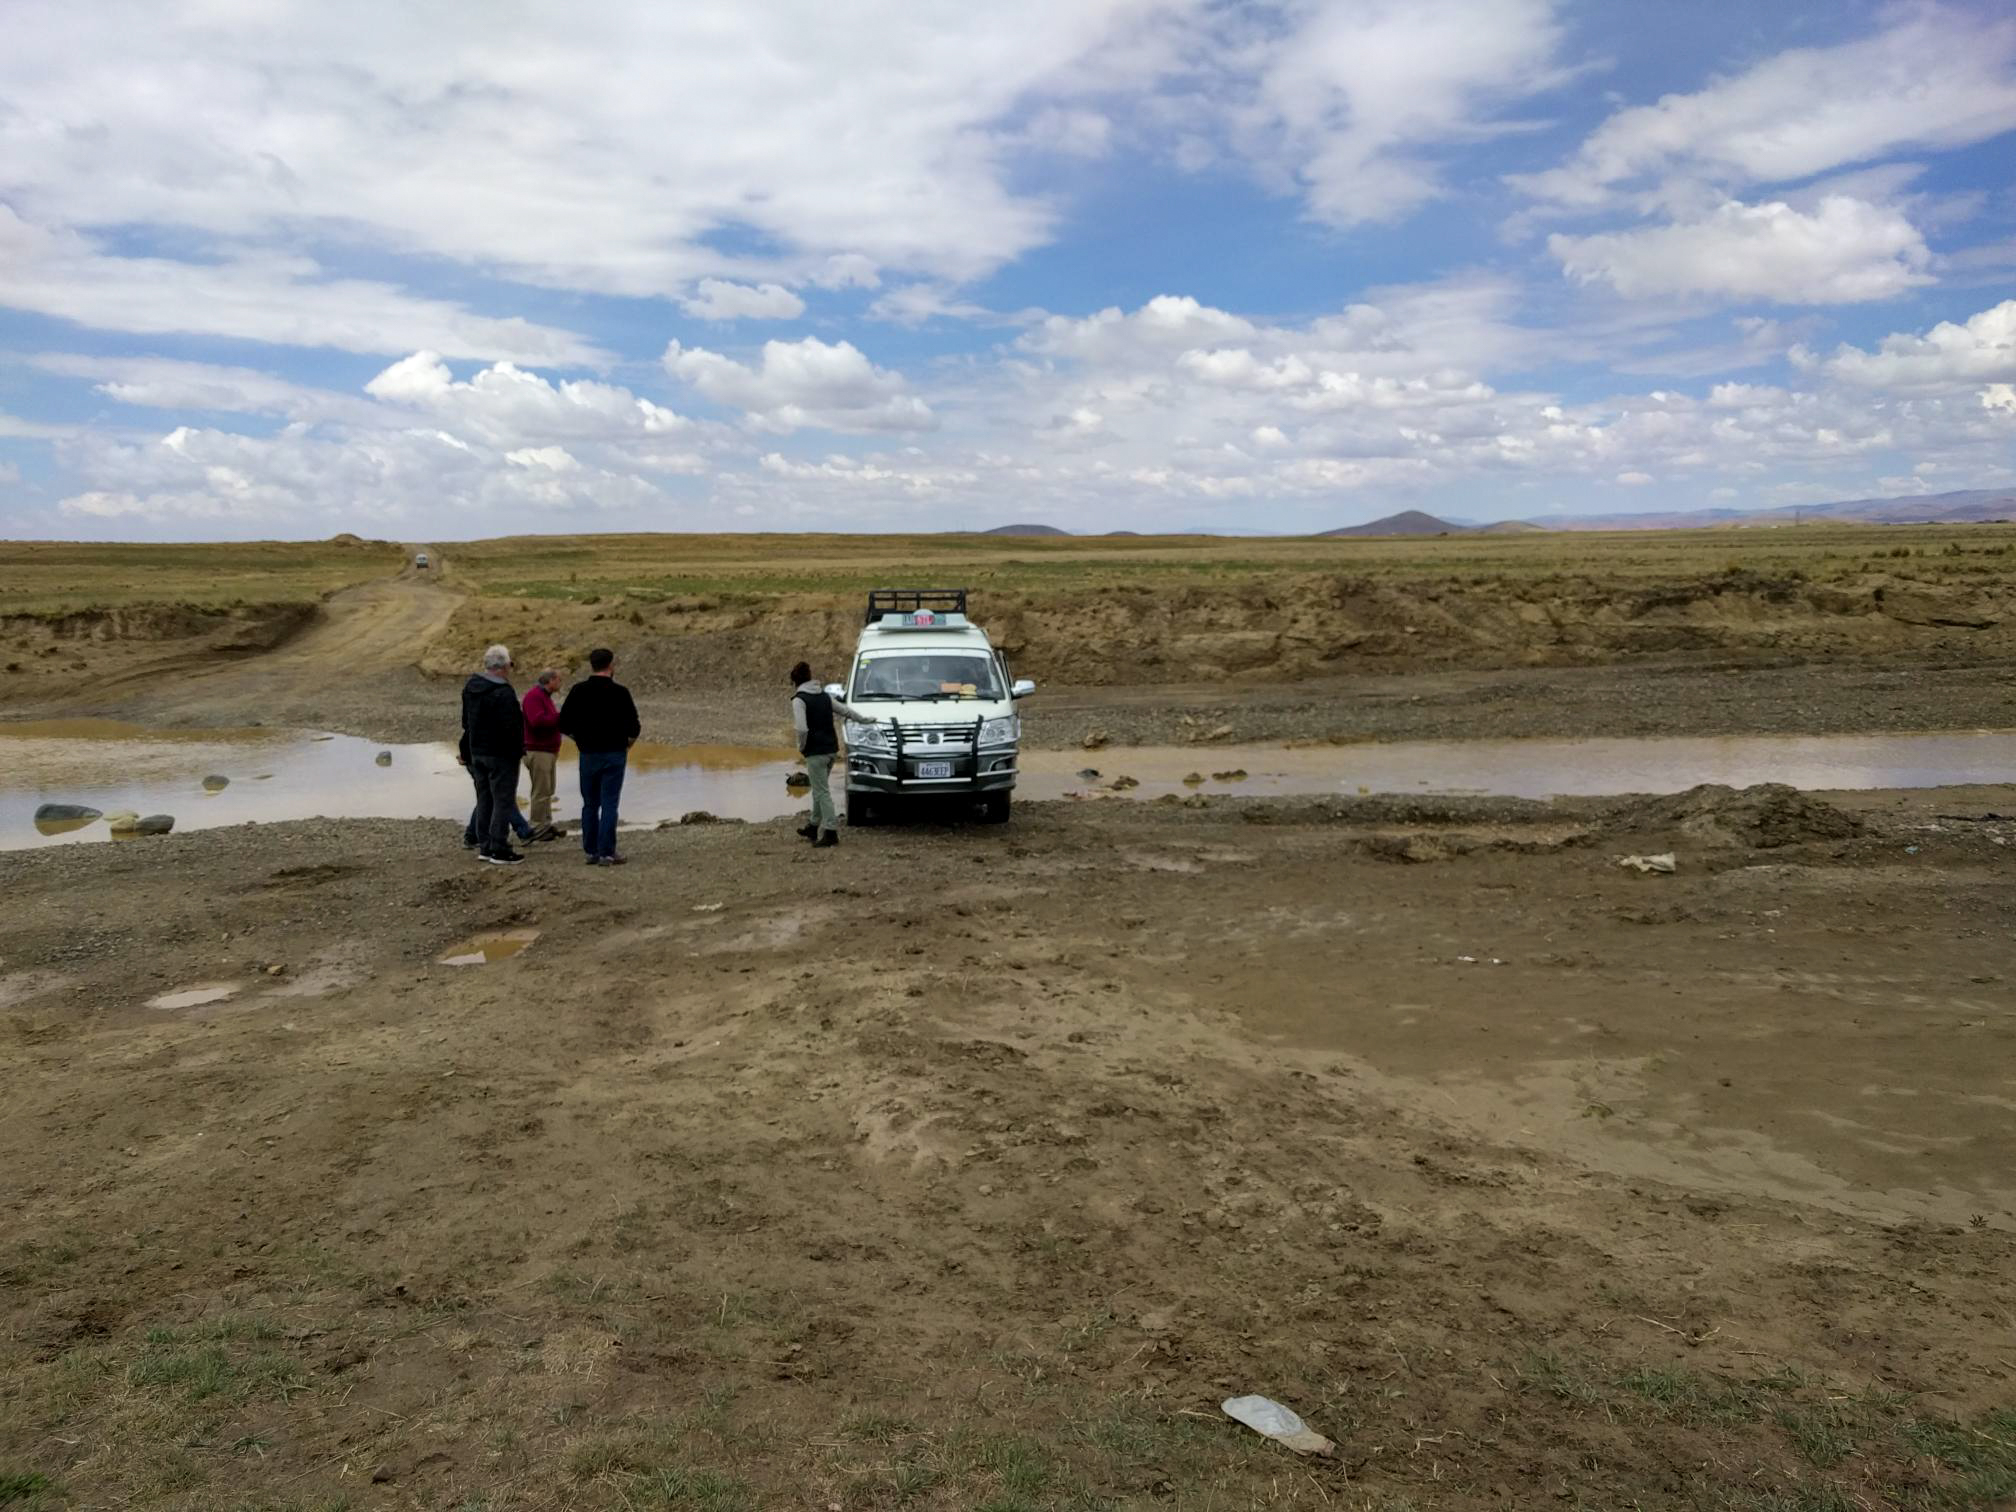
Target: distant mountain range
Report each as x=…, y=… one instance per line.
x=1974, y=506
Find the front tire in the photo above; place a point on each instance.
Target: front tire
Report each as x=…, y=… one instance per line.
x=994, y=808
x=859, y=814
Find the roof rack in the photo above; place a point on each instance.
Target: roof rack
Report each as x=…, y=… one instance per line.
x=883, y=601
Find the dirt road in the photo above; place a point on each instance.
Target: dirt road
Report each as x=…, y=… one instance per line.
x=368, y=638
x=972, y=1168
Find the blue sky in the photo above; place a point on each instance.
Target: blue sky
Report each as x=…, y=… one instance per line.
x=442, y=272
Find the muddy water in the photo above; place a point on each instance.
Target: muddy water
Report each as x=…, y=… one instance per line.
x=273, y=775
x=483, y=949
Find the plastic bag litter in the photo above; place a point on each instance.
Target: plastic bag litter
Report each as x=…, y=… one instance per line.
x=1665, y=865
x=1270, y=1419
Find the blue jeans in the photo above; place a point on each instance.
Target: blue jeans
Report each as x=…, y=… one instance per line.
x=601, y=786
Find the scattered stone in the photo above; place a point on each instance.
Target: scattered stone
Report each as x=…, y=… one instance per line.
x=154, y=824
x=1122, y=783
x=700, y=816
x=1408, y=849
x=1088, y=774
x=1192, y=779
x=1237, y=774
x=60, y=812
x=123, y=822
x=276, y=969
x=1219, y=732
x=1196, y=800
x=215, y=783
x=383, y=758
x=1095, y=740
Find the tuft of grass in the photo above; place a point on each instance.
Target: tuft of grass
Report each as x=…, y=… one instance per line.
x=702, y=1490
x=1982, y=1454
x=1822, y=1435
x=1560, y=1377
x=173, y=1360
x=17, y=1486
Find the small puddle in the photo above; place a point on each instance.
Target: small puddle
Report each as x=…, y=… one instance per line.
x=195, y=997
x=486, y=949
x=269, y=776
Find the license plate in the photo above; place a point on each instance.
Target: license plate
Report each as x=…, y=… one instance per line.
x=930, y=769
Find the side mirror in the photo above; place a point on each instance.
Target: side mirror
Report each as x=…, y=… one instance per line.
x=834, y=690
x=1022, y=689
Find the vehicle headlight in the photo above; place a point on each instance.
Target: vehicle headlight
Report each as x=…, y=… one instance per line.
x=867, y=737
x=1004, y=731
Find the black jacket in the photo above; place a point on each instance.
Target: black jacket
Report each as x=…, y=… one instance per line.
x=599, y=715
x=492, y=722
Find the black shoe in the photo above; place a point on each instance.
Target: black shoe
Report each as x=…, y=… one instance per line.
x=615, y=860
x=467, y=843
x=826, y=838
x=594, y=860
x=809, y=831
x=505, y=857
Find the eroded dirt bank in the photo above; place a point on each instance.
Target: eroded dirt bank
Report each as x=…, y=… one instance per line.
x=961, y=1168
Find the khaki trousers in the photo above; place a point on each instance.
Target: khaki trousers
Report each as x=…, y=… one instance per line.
x=541, y=764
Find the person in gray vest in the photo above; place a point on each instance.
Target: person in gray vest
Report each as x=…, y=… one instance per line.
x=812, y=711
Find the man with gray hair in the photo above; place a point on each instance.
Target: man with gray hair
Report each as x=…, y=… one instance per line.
x=493, y=744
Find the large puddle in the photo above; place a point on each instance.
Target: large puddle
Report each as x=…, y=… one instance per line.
x=271, y=775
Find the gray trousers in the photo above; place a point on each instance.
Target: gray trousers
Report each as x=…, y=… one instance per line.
x=820, y=770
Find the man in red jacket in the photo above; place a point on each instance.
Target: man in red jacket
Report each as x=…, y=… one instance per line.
x=542, y=751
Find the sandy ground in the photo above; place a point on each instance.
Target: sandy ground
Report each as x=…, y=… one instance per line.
x=964, y=1168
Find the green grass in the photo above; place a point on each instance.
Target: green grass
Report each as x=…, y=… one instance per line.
x=194, y=1364
x=19, y=1486
x=60, y=577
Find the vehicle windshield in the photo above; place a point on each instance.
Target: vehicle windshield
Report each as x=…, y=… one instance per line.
x=911, y=675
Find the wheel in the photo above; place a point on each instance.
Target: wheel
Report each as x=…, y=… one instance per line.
x=994, y=808
x=858, y=812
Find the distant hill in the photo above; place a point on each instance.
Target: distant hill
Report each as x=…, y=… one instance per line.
x=1512, y=527
x=1026, y=530
x=1974, y=506
x=1407, y=523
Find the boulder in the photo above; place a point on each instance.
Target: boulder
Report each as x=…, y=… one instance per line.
x=56, y=813
x=383, y=758
x=154, y=824
x=215, y=783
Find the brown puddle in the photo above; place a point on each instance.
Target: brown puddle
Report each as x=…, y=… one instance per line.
x=486, y=949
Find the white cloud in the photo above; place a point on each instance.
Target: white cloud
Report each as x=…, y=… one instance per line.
x=719, y=299
x=1939, y=77
x=255, y=297
x=166, y=383
x=804, y=383
x=914, y=304
x=503, y=404
x=1999, y=396
x=1845, y=251
x=619, y=149
x=1634, y=479
x=1354, y=94
x=1980, y=350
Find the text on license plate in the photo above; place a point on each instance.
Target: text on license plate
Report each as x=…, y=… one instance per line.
x=930, y=769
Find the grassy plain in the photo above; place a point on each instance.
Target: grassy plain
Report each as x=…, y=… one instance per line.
x=750, y=568
x=66, y=577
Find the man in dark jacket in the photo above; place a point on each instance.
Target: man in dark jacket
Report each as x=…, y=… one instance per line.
x=493, y=744
x=600, y=717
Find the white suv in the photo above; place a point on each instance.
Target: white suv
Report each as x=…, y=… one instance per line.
x=946, y=702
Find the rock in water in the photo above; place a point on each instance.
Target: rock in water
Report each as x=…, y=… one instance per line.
x=57, y=812
x=122, y=821
x=154, y=824
x=384, y=758
x=215, y=784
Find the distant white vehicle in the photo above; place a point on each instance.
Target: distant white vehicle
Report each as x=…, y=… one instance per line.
x=420, y=559
x=947, y=702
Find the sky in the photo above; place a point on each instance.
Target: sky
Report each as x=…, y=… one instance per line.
x=274, y=270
